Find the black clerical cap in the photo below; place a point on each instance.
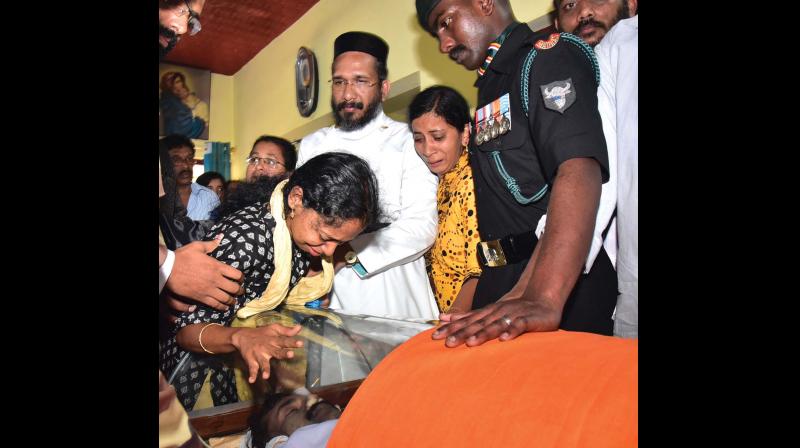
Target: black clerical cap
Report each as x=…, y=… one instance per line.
x=363, y=42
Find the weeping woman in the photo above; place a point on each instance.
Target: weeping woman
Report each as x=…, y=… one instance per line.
x=328, y=201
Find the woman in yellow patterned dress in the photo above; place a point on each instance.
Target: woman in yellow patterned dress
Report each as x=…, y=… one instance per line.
x=439, y=119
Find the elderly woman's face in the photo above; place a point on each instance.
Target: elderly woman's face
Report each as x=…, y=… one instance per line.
x=310, y=232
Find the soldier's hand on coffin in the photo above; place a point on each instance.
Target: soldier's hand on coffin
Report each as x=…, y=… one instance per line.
x=504, y=319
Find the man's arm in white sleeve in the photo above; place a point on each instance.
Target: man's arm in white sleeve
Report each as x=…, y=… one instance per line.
x=414, y=230
x=608, y=198
x=166, y=258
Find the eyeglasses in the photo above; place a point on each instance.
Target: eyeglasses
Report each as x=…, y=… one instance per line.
x=272, y=163
x=179, y=160
x=339, y=84
x=194, y=19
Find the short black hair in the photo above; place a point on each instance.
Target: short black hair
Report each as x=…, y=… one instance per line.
x=287, y=149
x=338, y=186
x=206, y=178
x=623, y=7
x=174, y=141
x=443, y=101
x=258, y=427
x=169, y=4
x=383, y=71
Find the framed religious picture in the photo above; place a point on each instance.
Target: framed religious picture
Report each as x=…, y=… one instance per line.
x=184, y=96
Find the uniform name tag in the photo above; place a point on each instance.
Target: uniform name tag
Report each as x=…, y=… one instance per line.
x=493, y=120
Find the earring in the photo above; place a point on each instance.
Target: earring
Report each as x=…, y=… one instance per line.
x=291, y=214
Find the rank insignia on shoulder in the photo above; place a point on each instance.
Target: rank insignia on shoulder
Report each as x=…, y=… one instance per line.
x=559, y=95
x=547, y=44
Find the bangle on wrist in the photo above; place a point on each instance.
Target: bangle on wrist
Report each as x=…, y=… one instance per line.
x=200, y=337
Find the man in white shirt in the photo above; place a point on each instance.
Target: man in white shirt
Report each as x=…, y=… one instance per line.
x=190, y=273
x=385, y=273
x=618, y=102
x=591, y=20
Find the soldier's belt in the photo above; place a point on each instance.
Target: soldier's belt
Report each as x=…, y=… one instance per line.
x=510, y=249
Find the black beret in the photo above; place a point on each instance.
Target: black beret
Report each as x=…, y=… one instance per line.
x=363, y=42
x=424, y=8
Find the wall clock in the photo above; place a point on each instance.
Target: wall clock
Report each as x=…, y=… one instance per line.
x=306, y=81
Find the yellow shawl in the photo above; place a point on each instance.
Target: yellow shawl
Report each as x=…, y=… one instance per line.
x=307, y=289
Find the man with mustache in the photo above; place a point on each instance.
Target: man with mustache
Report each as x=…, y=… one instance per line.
x=385, y=273
x=538, y=148
x=618, y=104
x=198, y=200
x=591, y=19
x=176, y=17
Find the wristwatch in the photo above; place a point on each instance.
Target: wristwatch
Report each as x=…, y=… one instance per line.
x=352, y=261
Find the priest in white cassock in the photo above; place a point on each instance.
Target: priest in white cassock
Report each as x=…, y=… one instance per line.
x=381, y=273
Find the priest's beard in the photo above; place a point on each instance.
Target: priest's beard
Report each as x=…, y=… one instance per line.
x=348, y=123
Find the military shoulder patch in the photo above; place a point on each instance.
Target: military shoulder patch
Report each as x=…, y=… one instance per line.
x=547, y=44
x=559, y=95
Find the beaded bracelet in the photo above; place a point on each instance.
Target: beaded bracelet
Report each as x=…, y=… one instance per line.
x=200, y=337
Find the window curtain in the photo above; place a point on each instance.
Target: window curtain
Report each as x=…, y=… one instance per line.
x=218, y=158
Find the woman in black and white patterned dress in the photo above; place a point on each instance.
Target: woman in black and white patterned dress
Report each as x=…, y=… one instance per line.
x=326, y=202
